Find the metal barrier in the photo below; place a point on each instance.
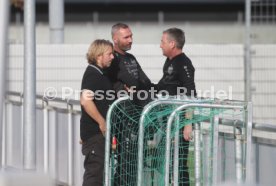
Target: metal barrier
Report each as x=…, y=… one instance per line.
x=58, y=136
x=239, y=158
x=197, y=146
x=146, y=110
x=56, y=154
x=108, y=139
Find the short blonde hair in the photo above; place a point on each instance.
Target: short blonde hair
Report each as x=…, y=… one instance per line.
x=97, y=48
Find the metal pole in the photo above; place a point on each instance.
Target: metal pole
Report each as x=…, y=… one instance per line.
x=215, y=150
x=223, y=159
x=29, y=154
x=249, y=175
x=56, y=21
x=197, y=154
x=46, y=135
x=206, y=156
x=53, y=145
x=210, y=153
x=77, y=152
x=9, y=135
x=70, y=145
x=22, y=126
x=4, y=138
x=167, y=163
x=238, y=153
x=247, y=49
x=160, y=18
x=176, y=152
x=4, y=24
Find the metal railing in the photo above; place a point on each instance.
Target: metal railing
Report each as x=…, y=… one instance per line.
x=59, y=152
x=50, y=145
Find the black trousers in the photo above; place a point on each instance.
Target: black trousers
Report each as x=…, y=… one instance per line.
x=94, y=150
x=183, y=175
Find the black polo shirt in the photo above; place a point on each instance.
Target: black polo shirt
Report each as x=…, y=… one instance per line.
x=178, y=72
x=94, y=80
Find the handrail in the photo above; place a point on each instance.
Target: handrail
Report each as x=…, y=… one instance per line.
x=227, y=122
x=264, y=127
x=43, y=98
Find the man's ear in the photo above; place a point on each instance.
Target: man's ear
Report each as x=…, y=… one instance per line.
x=115, y=39
x=172, y=44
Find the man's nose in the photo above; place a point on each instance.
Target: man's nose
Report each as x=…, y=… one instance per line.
x=130, y=39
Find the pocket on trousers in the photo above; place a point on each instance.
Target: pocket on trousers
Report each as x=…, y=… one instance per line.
x=95, y=143
x=94, y=162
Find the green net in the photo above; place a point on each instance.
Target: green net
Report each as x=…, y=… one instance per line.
x=124, y=128
x=155, y=143
x=124, y=122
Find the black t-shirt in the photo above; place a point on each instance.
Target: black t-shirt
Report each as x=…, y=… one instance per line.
x=125, y=70
x=178, y=72
x=94, y=80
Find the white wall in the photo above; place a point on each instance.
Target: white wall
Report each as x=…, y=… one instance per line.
x=150, y=32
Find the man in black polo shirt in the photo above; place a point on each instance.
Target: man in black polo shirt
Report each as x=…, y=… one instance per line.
x=178, y=77
x=125, y=73
x=94, y=109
